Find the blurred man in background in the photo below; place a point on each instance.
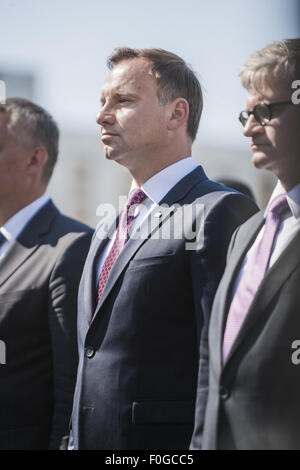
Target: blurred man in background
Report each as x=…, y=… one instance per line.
x=41, y=258
x=238, y=185
x=254, y=379
x=145, y=297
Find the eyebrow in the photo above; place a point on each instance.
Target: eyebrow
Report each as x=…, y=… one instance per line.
x=119, y=94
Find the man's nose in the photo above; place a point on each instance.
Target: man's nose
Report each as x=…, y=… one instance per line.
x=252, y=127
x=105, y=116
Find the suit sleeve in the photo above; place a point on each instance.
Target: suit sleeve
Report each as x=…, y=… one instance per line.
x=208, y=265
x=231, y=244
x=63, y=289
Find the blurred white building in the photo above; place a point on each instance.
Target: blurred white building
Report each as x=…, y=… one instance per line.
x=18, y=83
x=83, y=178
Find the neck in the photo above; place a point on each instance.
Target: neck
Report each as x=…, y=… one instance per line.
x=144, y=170
x=289, y=183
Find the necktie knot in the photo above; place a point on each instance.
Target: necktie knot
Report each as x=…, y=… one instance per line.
x=279, y=206
x=137, y=196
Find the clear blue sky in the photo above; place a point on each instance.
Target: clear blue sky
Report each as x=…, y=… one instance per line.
x=66, y=43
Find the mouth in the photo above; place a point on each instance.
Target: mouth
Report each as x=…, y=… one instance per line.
x=107, y=136
x=256, y=146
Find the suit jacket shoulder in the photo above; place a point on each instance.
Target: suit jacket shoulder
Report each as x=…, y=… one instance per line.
x=39, y=278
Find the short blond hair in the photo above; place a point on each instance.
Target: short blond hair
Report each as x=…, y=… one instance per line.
x=279, y=60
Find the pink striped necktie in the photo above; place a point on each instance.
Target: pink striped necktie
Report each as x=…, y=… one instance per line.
x=253, y=273
x=137, y=196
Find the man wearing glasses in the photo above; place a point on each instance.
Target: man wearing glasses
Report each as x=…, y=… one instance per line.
x=254, y=335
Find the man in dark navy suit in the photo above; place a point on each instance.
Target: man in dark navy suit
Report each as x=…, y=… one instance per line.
x=149, y=279
x=41, y=259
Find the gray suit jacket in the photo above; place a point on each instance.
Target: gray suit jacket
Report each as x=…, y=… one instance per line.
x=139, y=346
x=253, y=400
x=39, y=278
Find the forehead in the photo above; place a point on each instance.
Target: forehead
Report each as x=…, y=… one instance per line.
x=271, y=91
x=132, y=75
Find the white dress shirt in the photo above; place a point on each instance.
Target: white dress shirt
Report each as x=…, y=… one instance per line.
x=155, y=189
x=289, y=226
x=16, y=224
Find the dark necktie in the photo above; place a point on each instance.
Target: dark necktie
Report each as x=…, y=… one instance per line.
x=253, y=274
x=137, y=196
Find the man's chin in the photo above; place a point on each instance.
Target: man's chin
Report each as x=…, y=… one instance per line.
x=115, y=156
x=110, y=153
x=109, y=156
x=260, y=160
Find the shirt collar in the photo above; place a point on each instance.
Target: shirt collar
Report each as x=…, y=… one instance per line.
x=14, y=226
x=293, y=198
x=162, y=182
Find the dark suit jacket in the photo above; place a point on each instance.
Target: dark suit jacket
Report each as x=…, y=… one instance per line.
x=39, y=279
x=253, y=400
x=139, y=346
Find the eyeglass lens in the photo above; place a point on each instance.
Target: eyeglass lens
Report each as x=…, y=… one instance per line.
x=261, y=113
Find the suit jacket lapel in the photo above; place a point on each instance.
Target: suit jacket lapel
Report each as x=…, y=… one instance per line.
x=247, y=238
x=271, y=284
x=185, y=185
x=102, y=235
x=27, y=242
x=149, y=225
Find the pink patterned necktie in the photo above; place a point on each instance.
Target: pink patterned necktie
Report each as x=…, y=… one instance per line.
x=137, y=196
x=253, y=273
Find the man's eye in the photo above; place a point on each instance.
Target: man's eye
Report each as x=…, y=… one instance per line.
x=123, y=100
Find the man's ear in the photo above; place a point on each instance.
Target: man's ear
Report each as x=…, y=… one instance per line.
x=179, y=113
x=37, y=160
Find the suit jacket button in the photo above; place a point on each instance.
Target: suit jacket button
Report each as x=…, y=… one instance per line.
x=224, y=393
x=89, y=352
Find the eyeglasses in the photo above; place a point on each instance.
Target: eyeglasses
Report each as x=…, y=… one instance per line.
x=262, y=112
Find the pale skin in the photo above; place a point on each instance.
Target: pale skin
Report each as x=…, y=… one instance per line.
x=21, y=170
x=136, y=130
x=276, y=146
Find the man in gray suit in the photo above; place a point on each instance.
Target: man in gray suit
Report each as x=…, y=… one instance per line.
x=147, y=285
x=254, y=375
x=41, y=258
